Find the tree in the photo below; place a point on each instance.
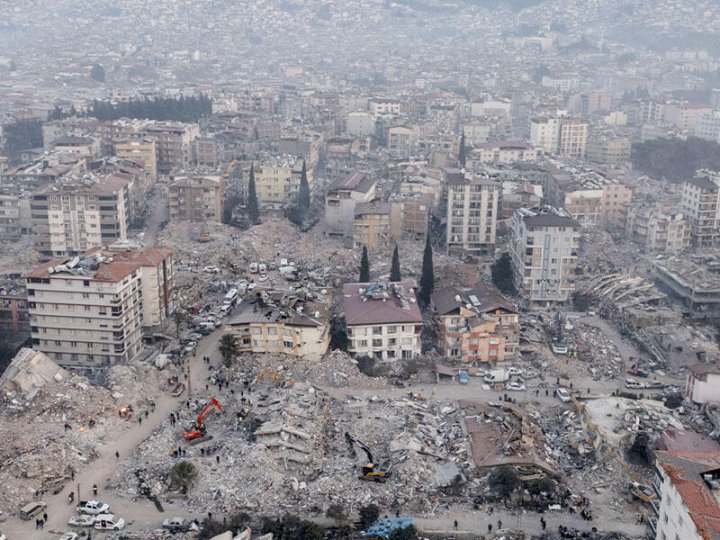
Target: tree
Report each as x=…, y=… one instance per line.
x=462, y=154
x=502, y=274
x=303, y=201
x=180, y=316
x=364, y=266
x=539, y=486
x=337, y=513
x=395, y=266
x=97, y=73
x=183, y=475
x=252, y=201
x=504, y=481
x=427, y=277
x=368, y=515
x=228, y=348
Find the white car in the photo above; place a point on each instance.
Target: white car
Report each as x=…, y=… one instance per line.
x=514, y=371
x=515, y=386
x=108, y=522
x=563, y=395
x=632, y=383
x=69, y=536
x=211, y=269
x=81, y=521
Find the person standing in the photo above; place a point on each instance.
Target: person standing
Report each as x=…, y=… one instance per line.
x=455, y=525
x=499, y=524
x=94, y=488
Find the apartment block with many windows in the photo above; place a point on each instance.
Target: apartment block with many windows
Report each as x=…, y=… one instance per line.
x=471, y=214
x=89, y=312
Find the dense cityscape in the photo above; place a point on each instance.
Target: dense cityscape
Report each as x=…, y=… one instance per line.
x=410, y=269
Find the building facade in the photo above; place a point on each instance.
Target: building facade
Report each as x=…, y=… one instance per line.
x=701, y=205
x=196, y=198
x=140, y=150
x=472, y=209
x=544, y=250
x=376, y=225
x=88, y=312
x=341, y=198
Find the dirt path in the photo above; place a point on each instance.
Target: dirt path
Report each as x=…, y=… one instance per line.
x=139, y=513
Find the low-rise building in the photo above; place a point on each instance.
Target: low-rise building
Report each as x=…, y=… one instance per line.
x=500, y=153
x=342, y=197
x=80, y=146
x=476, y=325
x=196, y=198
x=694, y=283
x=282, y=322
x=657, y=228
x=703, y=383
x=89, y=312
x=383, y=320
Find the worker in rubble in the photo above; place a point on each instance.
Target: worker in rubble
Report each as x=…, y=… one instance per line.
x=94, y=489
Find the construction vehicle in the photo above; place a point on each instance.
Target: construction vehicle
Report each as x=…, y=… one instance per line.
x=199, y=429
x=205, y=235
x=269, y=375
x=642, y=492
x=377, y=472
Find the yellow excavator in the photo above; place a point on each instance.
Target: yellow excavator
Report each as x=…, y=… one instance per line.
x=205, y=235
x=377, y=472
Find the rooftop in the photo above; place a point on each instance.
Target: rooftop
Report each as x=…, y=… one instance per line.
x=355, y=181
x=380, y=303
x=482, y=298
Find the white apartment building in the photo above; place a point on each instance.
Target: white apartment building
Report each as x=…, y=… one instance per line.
x=89, y=312
x=360, y=124
x=471, y=214
x=544, y=253
x=341, y=198
x=73, y=217
x=384, y=107
x=560, y=135
x=383, y=320
x=545, y=133
x=503, y=153
x=688, y=485
x=701, y=205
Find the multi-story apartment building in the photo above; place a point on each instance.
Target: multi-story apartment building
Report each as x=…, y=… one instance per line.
x=383, y=320
x=401, y=141
x=282, y=322
x=476, y=325
x=196, y=198
x=278, y=180
x=560, y=135
x=77, y=215
x=688, y=485
x=80, y=146
x=341, y=198
x=88, y=312
x=414, y=210
x=544, y=251
x=174, y=144
x=384, y=107
x=608, y=150
x=360, y=124
x=376, y=225
x=471, y=214
x=502, y=153
x=14, y=315
x=707, y=126
x=657, y=228
x=208, y=151
x=9, y=217
x=141, y=151
x=701, y=205
x=40, y=173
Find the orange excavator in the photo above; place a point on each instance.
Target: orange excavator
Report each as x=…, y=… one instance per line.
x=199, y=429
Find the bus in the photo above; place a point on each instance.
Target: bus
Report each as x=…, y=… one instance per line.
x=231, y=297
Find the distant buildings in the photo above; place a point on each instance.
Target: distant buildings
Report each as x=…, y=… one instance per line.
x=282, y=322
x=657, y=228
x=560, y=135
x=196, y=198
x=89, y=311
x=472, y=210
x=476, y=325
x=493, y=153
x=383, y=320
x=544, y=253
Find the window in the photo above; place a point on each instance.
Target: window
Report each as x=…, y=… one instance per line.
x=407, y=355
x=272, y=331
x=392, y=329
x=255, y=331
x=377, y=330
x=377, y=342
x=361, y=343
x=86, y=295
x=288, y=344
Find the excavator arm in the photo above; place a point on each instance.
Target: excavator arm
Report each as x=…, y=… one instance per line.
x=199, y=427
x=350, y=439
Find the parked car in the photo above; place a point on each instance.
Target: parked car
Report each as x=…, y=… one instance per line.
x=194, y=336
x=514, y=371
x=175, y=524
x=515, y=386
x=632, y=383
x=463, y=377
x=655, y=385
x=190, y=347
x=82, y=521
x=563, y=395
x=183, y=267
x=69, y=536
x=211, y=269
x=108, y=522
x=638, y=372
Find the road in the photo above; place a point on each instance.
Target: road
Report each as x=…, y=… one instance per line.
x=140, y=513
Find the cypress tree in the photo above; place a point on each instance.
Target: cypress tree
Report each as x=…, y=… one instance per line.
x=252, y=202
x=395, y=266
x=462, y=153
x=303, y=194
x=427, y=278
x=364, y=266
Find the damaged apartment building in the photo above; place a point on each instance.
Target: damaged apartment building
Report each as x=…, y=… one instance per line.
x=476, y=325
x=293, y=323
x=90, y=311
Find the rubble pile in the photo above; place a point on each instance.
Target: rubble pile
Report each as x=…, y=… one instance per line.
x=287, y=451
x=599, y=353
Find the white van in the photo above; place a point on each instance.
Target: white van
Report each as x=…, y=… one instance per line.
x=254, y=268
x=231, y=297
x=262, y=268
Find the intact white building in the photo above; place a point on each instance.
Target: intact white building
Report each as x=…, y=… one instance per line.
x=545, y=133
x=544, y=253
x=383, y=320
x=703, y=383
x=360, y=124
x=471, y=214
x=89, y=311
